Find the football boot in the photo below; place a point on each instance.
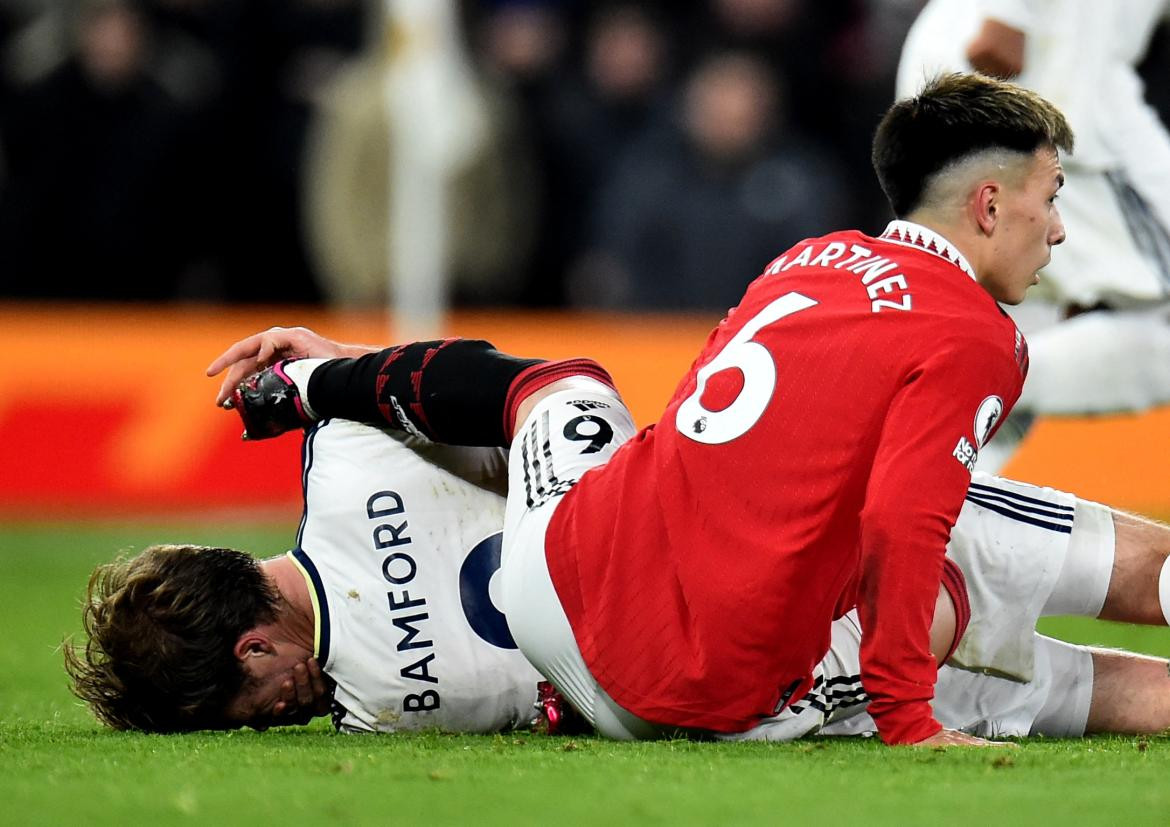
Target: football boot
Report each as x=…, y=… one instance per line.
x=556, y=715
x=270, y=404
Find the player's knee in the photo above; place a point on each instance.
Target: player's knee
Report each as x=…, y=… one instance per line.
x=944, y=627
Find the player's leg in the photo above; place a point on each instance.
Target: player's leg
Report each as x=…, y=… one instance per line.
x=1028, y=552
x=1089, y=690
x=1075, y=691
x=565, y=429
x=1056, y=701
x=836, y=703
x=455, y=391
x=1116, y=568
x=1072, y=691
x=1139, y=585
x=1011, y=542
x=1085, y=574
x=1131, y=693
x=1099, y=362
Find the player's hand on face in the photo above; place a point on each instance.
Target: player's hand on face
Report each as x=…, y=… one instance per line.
x=954, y=738
x=260, y=350
x=305, y=694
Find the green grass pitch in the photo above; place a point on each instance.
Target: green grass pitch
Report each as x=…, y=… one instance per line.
x=58, y=767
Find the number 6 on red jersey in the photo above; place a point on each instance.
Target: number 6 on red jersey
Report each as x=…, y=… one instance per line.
x=759, y=379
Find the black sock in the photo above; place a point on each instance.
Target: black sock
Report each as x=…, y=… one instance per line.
x=451, y=390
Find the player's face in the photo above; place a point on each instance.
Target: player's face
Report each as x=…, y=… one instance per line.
x=1028, y=226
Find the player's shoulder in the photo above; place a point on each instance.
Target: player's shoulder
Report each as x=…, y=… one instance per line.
x=989, y=338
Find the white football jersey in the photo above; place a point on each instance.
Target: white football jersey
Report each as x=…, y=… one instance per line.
x=399, y=543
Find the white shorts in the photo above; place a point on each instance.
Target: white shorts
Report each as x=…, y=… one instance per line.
x=1015, y=544
x=567, y=434
x=1054, y=703
x=1025, y=552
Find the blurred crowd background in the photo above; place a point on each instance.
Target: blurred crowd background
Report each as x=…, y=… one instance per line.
x=633, y=155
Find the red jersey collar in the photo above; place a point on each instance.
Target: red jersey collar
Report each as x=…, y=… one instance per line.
x=915, y=235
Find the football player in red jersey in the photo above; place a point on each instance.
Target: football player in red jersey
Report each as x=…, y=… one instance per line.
x=813, y=460
x=1016, y=553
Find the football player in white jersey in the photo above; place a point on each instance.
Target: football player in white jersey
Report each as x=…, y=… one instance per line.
x=391, y=586
x=388, y=589
x=1083, y=56
x=398, y=545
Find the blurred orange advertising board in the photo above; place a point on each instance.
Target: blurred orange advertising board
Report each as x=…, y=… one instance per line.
x=106, y=410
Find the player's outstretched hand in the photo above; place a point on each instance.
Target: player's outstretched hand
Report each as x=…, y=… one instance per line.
x=260, y=350
x=305, y=695
x=954, y=738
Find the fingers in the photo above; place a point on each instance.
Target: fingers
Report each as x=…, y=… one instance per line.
x=955, y=738
x=321, y=693
x=236, y=374
x=255, y=353
x=239, y=360
x=311, y=688
x=288, y=698
x=267, y=350
x=247, y=356
x=304, y=694
x=260, y=350
x=225, y=389
x=243, y=349
x=304, y=686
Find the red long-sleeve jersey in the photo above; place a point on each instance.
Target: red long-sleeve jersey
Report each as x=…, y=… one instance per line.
x=815, y=458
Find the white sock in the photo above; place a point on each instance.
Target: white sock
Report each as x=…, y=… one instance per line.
x=299, y=372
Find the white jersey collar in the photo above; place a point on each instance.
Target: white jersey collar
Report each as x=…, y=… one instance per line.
x=320, y=604
x=915, y=235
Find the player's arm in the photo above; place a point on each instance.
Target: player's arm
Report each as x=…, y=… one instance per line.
x=919, y=478
x=998, y=47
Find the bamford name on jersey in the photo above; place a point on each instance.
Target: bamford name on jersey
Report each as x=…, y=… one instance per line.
x=407, y=612
x=886, y=292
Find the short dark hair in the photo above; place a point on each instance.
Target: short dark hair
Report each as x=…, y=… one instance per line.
x=161, y=628
x=955, y=116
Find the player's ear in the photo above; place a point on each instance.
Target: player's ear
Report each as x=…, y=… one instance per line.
x=252, y=643
x=985, y=206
